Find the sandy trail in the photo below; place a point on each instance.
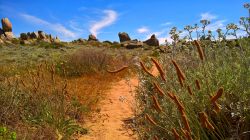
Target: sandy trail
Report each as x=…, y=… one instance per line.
x=118, y=105
x=108, y=124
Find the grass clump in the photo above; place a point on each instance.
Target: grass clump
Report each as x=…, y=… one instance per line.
x=87, y=61
x=203, y=97
x=38, y=102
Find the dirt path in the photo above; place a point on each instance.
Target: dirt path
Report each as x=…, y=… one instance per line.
x=109, y=124
x=118, y=105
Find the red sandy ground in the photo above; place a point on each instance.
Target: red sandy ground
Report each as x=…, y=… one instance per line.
x=118, y=105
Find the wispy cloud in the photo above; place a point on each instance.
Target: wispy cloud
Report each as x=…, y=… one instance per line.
x=142, y=30
x=56, y=27
x=166, y=24
x=75, y=26
x=217, y=24
x=208, y=16
x=109, y=18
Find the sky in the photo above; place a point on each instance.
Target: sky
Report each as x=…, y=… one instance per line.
x=73, y=19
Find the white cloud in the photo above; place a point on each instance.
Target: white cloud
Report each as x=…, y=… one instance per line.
x=208, y=16
x=217, y=24
x=166, y=23
x=75, y=26
x=56, y=27
x=109, y=18
x=143, y=30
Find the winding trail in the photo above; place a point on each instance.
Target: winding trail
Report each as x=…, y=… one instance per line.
x=108, y=124
x=117, y=106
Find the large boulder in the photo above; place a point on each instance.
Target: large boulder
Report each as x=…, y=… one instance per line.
x=153, y=41
x=9, y=35
x=81, y=40
x=41, y=35
x=107, y=42
x=2, y=36
x=56, y=40
x=92, y=38
x=34, y=35
x=132, y=44
x=123, y=37
x=6, y=25
x=25, y=42
x=24, y=36
x=1, y=41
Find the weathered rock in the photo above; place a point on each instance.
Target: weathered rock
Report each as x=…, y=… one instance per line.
x=115, y=42
x=56, y=40
x=2, y=36
x=34, y=35
x=1, y=31
x=123, y=37
x=41, y=35
x=47, y=36
x=50, y=37
x=92, y=38
x=6, y=25
x=9, y=35
x=132, y=44
x=81, y=40
x=153, y=41
x=1, y=41
x=107, y=41
x=24, y=36
x=25, y=42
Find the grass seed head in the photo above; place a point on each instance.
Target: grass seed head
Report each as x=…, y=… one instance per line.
x=198, y=85
x=200, y=50
x=157, y=87
x=217, y=95
x=176, y=135
x=204, y=121
x=186, y=123
x=190, y=90
x=116, y=71
x=150, y=119
x=156, y=103
x=158, y=66
x=145, y=69
x=179, y=71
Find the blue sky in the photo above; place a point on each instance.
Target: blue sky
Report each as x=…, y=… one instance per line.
x=72, y=19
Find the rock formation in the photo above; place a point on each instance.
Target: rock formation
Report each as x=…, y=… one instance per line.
x=34, y=35
x=92, y=38
x=153, y=41
x=123, y=37
x=24, y=36
x=6, y=25
x=41, y=35
x=6, y=29
x=132, y=44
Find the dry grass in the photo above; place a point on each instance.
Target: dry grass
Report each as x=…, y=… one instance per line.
x=48, y=102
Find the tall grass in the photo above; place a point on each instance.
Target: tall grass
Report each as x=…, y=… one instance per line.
x=39, y=106
x=206, y=94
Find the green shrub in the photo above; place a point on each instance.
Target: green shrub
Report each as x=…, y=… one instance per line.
x=6, y=134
